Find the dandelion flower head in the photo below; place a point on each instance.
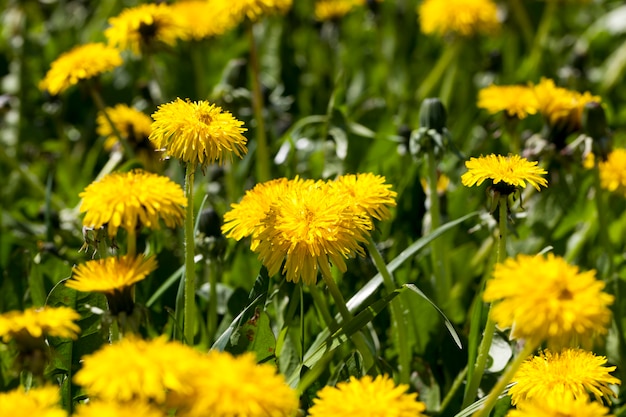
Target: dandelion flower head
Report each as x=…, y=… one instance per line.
x=560, y=106
x=203, y=18
x=132, y=124
x=81, y=63
x=368, y=192
x=462, y=17
x=554, y=406
x=131, y=199
x=197, y=132
x=226, y=385
x=613, y=172
x=547, y=299
x=254, y=9
x=309, y=227
x=144, y=27
x=516, y=100
x=110, y=275
x=117, y=409
x=152, y=370
x=509, y=171
x=367, y=397
x=37, y=402
x=574, y=372
x=38, y=322
x=334, y=9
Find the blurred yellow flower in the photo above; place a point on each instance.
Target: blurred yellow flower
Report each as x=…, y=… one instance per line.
x=132, y=199
x=613, y=172
x=203, y=18
x=509, y=172
x=81, y=63
x=565, y=406
x=197, y=132
x=545, y=299
x=110, y=275
x=133, y=125
x=367, y=397
x=462, y=17
x=254, y=9
x=516, y=100
x=38, y=322
x=145, y=27
x=117, y=409
x=334, y=9
x=573, y=372
x=367, y=192
x=37, y=402
x=309, y=227
x=226, y=385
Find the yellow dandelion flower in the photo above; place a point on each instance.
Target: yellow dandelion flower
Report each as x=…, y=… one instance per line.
x=560, y=106
x=367, y=397
x=367, y=192
x=309, y=227
x=151, y=370
x=81, y=63
x=117, y=409
x=613, y=172
x=203, y=18
x=244, y=218
x=37, y=402
x=565, y=406
x=197, y=132
x=110, y=275
x=226, y=385
x=38, y=322
x=547, y=299
x=133, y=125
x=516, y=100
x=144, y=27
x=508, y=171
x=131, y=199
x=463, y=17
x=254, y=9
x=574, y=372
x=334, y=9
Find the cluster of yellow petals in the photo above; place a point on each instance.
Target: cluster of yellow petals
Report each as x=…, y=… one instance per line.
x=545, y=299
x=81, y=63
x=254, y=9
x=516, y=100
x=512, y=170
x=613, y=172
x=36, y=402
x=204, y=18
x=461, y=17
x=335, y=9
x=111, y=274
x=367, y=396
x=132, y=199
x=132, y=124
x=38, y=322
x=117, y=409
x=560, y=406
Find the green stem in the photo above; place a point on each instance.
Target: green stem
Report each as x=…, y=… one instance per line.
x=213, y=269
x=190, y=270
x=97, y=98
x=442, y=280
x=131, y=243
x=436, y=73
x=397, y=316
x=490, y=326
x=603, y=225
x=262, y=152
x=322, y=307
x=495, y=392
x=519, y=11
x=357, y=338
x=534, y=60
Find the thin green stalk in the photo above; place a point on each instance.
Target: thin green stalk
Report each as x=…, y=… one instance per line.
x=212, y=269
x=541, y=37
x=445, y=60
x=495, y=392
x=490, y=326
x=97, y=98
x=262, y=152
x=397, y=316
x=357, y=338
x=131, y=243
x=519, y=12
x=322, y=307
x=442, y=279
x=190, y=270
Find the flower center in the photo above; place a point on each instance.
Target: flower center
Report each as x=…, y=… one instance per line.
x=565, y=294
x=205, y=117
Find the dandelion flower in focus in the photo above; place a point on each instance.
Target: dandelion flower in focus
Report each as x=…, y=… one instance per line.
x=145, y=27
x=506, y=172
x=566, y=406
x=81, y=63
x=38, y=322
x=547, y=299
x=226, y=385
x=368, y=192
x=36, y=402
x=131, y=199
x=367, y=397
x=613, y=172
x=203, y=18
x=574, y=372
x=516, y=100
x=133, y=125
x=462, y=17
x=117, y=409
x=197, y=132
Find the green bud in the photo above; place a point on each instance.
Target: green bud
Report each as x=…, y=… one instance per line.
x=433, y=115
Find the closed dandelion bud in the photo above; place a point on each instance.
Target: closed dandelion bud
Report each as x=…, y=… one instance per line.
x=433, y=114
x=595, y=126
x=432, y=134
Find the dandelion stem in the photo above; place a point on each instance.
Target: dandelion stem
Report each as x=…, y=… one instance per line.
x=397, y=313
x=534, y=60
x=131, y=243
x=519, y=11
x=262, y=152
x=435, y=75
x=190, y=270
x=495, y=392
x=490, y=326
